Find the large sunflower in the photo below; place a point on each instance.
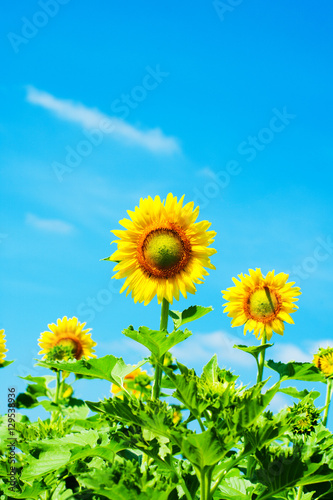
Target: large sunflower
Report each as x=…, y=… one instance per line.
x=162, y=251
x=2, y=346
x=68, y=333
x=261, y=303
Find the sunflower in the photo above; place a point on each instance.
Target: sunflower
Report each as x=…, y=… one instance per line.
x=162, y=251
x=69, y=335
x=2, y=346
x=324, y=361
x=136, y=383
x=261, y=304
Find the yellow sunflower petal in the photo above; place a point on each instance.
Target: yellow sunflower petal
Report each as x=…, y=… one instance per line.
x=2, y=346
x=262, y=303
x=164, y=246
x=68, y=332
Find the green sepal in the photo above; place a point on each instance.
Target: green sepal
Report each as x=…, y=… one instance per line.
x=6, y=363
x=190, y=314
x=110, y=259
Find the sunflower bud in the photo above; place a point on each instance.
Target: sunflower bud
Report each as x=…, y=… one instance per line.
x=304, y=417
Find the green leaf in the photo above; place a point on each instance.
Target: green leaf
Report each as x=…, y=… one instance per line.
x=153, y=415
x=187, y=390
x=292, y=391
x=125, y=481
x=205, y=449
x=158, y=342
x=267, y=429
x=190, y=314
x=107, y=368
x=307, y=463
x=106, y=452
x=296, y=371
x=255, y=350
x=39, y=388
x=46, y=462
x=210, y=370
x=33, y=491
x=235, y=488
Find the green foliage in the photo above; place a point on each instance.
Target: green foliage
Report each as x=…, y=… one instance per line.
x=124, y=481
x=107, y=368
x=296, y=371
x=158, y=342
x=190, y=314
x=254, y=350
x=292, y=391
x=211, y=438
x=307, y=462
x=38, y=388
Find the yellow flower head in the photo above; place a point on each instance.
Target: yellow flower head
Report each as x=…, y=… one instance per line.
x=2, y=346
x=68, y=333
x=324, y=361
x=261, y=303
x=162, y=251
x=135, y=383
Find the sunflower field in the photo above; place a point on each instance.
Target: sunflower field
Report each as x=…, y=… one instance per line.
x=167, y=432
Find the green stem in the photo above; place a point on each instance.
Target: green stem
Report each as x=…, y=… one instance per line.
x=202, y=427
x=299, y=492
x=203, y=490
x=261, y=359
x=159, y=364
x=328, y=400
x=56, y=398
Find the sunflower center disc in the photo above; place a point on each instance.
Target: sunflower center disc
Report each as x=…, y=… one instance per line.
x=163, y=250
x=263, y=303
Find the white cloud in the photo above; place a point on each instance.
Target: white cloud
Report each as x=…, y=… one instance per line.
x=49, y=225
x=288, y=352
x=278, y=402
x=68, y=110
x=314, y=345
x=202, y=346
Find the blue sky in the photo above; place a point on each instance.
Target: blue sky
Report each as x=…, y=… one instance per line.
x=102, y=104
